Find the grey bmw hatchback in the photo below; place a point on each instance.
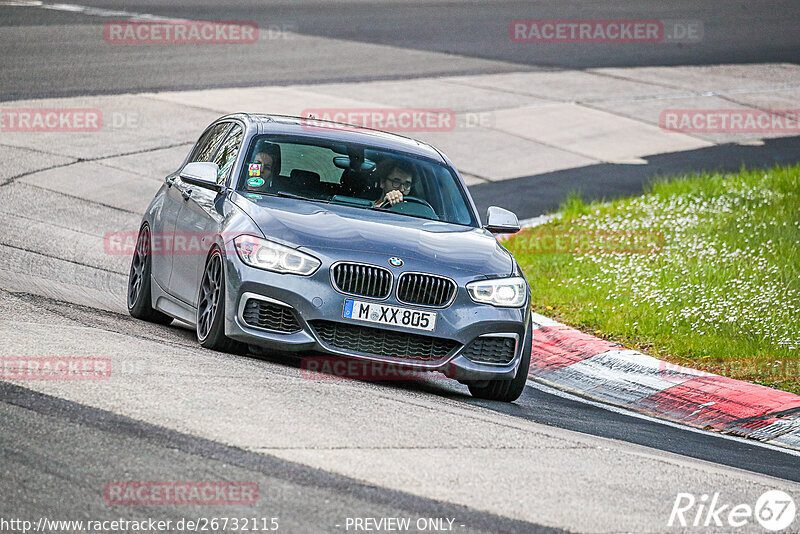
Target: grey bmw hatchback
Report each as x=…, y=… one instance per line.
x=295, y=234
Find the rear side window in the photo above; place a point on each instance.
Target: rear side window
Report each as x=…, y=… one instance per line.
x=226, y=155
x=209, y=142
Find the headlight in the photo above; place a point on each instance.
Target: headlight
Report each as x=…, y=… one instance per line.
x=263, y=254
x=503, y=292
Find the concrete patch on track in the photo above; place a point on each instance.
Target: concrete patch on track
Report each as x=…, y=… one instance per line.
x=592, y=133
x=125, y=124
x=572, y=360
x=566, y=85
x=445, y=92
x=645, y=111
x=122, y=189
x=22, y=271
x=496, y=155
x=711, y=78
x=15, y=161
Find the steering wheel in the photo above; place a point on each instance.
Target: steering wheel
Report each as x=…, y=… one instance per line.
x=415, y=200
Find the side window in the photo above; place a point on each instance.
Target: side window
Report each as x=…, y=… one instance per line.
x=226, y=155
x=209, y=142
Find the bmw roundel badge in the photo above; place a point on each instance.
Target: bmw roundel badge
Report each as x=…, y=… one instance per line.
x=395, y=262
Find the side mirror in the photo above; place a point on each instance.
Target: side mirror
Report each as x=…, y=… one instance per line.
x=500, y=221
x=202, y=174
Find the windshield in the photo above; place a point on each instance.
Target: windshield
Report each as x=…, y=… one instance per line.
x=354, y=175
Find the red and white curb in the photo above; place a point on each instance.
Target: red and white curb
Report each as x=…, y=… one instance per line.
x=568, y=359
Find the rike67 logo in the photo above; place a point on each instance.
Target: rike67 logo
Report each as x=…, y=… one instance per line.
x=775, y=511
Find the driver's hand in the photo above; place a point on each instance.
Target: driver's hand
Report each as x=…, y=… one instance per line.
x=393, y=197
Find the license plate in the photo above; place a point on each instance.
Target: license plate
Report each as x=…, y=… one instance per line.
x=372, y=312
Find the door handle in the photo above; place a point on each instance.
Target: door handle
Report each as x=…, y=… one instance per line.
x=170, y=181
x=186, y=194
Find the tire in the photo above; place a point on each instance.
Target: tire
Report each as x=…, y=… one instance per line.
x=139, y=283
x=210, y=323
x=507, y=390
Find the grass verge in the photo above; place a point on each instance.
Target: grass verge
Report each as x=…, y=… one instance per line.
x=701, y=270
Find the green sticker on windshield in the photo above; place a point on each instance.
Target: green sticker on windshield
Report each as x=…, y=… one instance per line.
x=253, y=196
x=255, y=182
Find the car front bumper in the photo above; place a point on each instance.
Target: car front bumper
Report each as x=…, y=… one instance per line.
x=313, y=298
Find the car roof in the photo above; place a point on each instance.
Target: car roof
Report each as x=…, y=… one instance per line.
x=288, y=125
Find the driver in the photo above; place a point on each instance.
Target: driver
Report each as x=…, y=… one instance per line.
x=396, y=179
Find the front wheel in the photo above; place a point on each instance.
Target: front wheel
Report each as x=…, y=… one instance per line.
x=507, y=390
x=211, y=308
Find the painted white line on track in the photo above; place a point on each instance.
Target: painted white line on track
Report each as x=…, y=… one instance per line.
x=622, y=411
x=88, y=10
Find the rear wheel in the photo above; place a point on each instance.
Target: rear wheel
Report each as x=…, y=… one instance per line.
x=211, y=308
x=139, y=297
x=507, y=390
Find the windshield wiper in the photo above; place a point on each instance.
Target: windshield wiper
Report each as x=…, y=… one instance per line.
x=389, y=210
x=284, y=194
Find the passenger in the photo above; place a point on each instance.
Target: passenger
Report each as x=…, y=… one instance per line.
x=396, y=179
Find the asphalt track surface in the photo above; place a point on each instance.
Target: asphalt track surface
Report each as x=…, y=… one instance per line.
x=55, y=453
x=36, y=426
x=60, y=53
x=537, y=405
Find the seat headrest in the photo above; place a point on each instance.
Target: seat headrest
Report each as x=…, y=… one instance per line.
x=303, y=178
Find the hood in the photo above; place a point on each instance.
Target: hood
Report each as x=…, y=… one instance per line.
x=329, y=227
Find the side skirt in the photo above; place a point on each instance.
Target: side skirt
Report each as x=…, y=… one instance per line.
x=166, y=303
